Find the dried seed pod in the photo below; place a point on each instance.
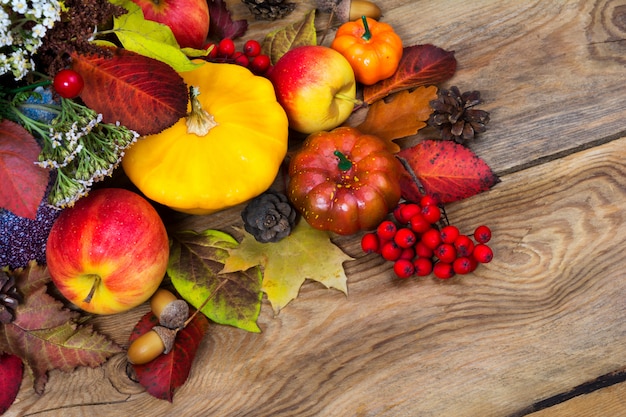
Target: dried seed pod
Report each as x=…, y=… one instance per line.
x=147, y=347
x=174, y=314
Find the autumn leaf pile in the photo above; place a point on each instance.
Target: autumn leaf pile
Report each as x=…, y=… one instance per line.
x=213, y=264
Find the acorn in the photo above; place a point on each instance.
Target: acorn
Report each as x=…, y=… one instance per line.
x=147, y=347
x=171, y=311
x=349, y=10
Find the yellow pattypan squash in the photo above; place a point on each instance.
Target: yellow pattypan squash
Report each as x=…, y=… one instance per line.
x=239, y=143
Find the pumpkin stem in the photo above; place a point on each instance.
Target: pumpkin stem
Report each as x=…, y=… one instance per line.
x=344, y=163
x=199, y=121
x=368, y=34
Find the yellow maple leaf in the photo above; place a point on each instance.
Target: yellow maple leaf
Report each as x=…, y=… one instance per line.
x=400, y=115
x=306, y=253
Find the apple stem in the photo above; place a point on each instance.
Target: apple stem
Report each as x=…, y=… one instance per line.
x=204, y=303
x=92, y=291
x=368, y=33
x=344, y=163
x=199, y=121
x=356, y=101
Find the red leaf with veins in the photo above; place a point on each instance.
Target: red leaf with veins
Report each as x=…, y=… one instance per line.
x=222, y=25
x=23, y=182
x=420, y=65
x=11, y=371
x=164, y=374
x=445, y=170
x=141, y=93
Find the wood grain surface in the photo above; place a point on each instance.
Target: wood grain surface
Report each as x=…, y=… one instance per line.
x=545, y=316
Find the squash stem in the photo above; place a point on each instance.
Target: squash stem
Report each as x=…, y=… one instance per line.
x=199, y=121
x=368, y=34
x=344, y=163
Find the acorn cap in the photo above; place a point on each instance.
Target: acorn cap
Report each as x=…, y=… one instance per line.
x=349, y=10
x=168, y=336
x=174, y=314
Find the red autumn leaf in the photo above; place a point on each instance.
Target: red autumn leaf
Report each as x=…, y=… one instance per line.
x=23, y=182
x=164, y=374
x=47, y=336
x=11, y=372
x=420, y=65
x=445, y=170
x=141, y=93
x=222, y=25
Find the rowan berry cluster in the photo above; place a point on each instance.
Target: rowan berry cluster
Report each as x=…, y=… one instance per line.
x=419, y=241
x=250, y=57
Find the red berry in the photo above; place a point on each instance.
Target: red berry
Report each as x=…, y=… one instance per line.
x=431, y=213
x=390, y=251
x=443, y=270
x=405, y=237
x=428, y=200
x=449, y=234
x=397, y=213
x=407, y=253
x=212, y=48
x=370, y=243
x=226, y=47
x=464, y=265
x=482, y=234
x=403, y=268
x=482, y=253
x=446, y=253
x=240, y=58
x=419, y=224
x=252, y=48
x=464, y=245
x=431, y=238
x=407, y=211
x=422, y=250
x=423, y=266
x=386, y=230
x=68, y=83
x=260, y=64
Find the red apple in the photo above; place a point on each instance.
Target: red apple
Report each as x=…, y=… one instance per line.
x=316, y=87
x=188, y=19
x=109, y=252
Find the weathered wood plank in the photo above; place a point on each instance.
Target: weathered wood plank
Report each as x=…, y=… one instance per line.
x=545, y=316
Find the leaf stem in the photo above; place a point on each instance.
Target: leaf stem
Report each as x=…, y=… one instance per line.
x=204, y=303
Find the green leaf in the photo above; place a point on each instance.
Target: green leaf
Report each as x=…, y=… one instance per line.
x=151, y=39
x=300, y=33
x=305, y=253
x=195, y=262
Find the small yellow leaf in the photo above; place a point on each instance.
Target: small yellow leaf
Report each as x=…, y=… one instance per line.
x=306, y=253
x=401, y=114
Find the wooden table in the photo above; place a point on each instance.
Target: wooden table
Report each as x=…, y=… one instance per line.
x=539, y=331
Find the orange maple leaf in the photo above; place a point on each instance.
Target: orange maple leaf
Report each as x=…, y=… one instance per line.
x=401, y=114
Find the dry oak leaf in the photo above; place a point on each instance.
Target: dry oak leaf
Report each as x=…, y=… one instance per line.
x=300, y=33
x=306, y=253
x=23, y=182
x=47, y=336
x=400, y=115
x=141, y=93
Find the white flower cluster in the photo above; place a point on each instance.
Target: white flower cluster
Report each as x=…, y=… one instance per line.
x=23, y=24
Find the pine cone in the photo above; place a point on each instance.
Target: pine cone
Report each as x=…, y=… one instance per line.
x=455, y=116
x=269, y=9
x=9, y=298
x=269, y=217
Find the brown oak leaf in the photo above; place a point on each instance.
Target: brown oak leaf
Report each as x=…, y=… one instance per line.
x=47, y=336
x=402, y=114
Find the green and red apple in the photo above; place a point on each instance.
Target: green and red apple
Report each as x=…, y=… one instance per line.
x=188, y=19
x=316, y=87
x=109, y=252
